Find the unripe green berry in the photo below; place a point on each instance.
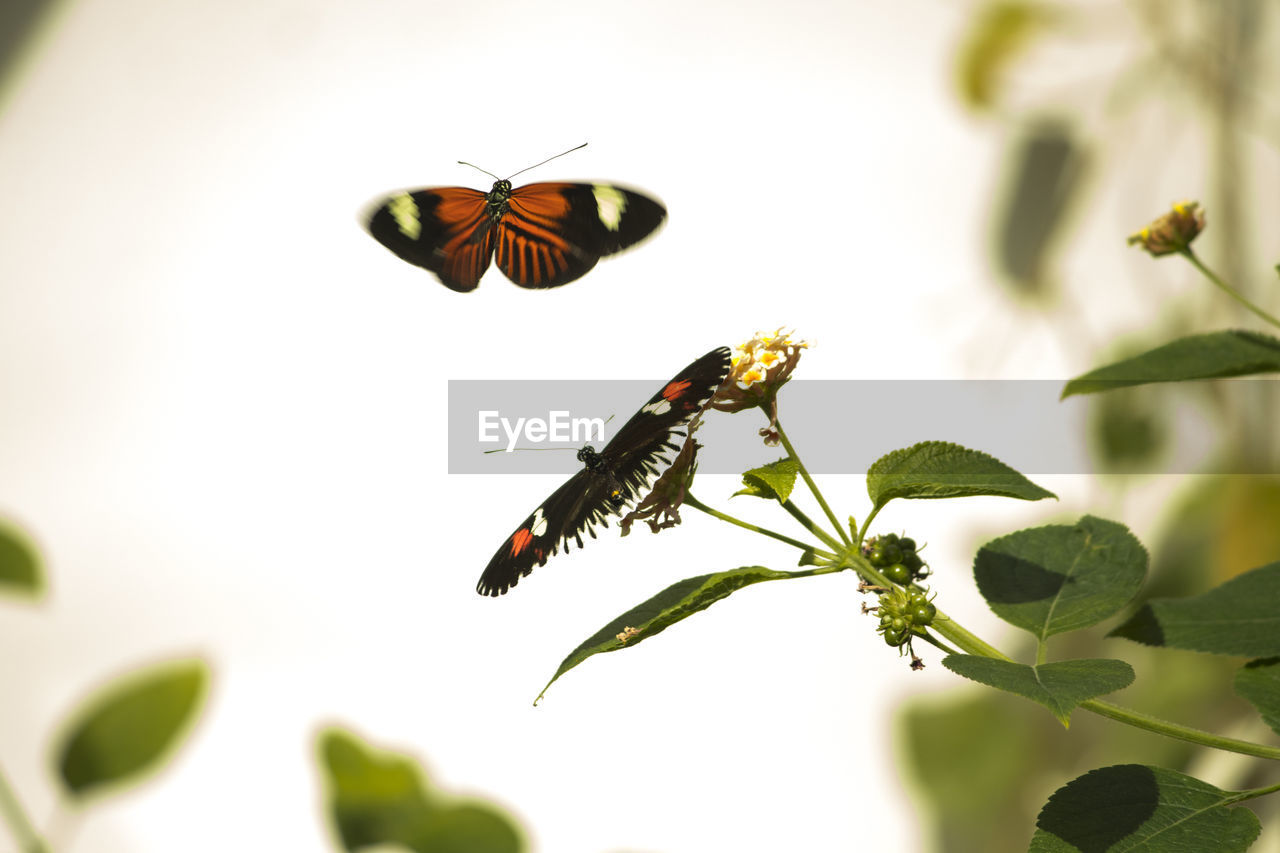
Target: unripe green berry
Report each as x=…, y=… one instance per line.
x=898, y=573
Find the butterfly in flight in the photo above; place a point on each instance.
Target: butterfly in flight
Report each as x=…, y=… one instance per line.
x=610, y=479
x=542, y=235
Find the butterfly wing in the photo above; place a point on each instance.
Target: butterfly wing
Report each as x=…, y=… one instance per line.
x=634, y=454
x=445, y=230
x=573, y=509
x=626, y=467
x=554, y=233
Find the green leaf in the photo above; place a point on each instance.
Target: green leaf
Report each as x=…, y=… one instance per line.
x=937, y=469
x=1059, y=686
x=676, y=602
x=20, y=570
x=1211, y=356
x=1048, y=580
x=1259, y=684
x=130, y=726
x=374, y=797
x=1135, y=807
x=1240, y=617
x=379, y=797
x=775, y=480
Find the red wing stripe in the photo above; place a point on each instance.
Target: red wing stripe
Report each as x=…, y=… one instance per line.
x=675, y=389
x=520, y=540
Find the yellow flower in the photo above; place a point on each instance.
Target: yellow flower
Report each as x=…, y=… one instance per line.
x=760, y=367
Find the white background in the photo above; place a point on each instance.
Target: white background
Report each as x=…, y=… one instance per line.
x=221, y=402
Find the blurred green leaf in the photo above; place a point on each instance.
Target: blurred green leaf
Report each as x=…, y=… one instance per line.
x=1239, y=617
x=1214, y=355
x=775, y=480
x=1135, y=807
x=1048, y=580
x=381, y=798
x=998, y=33
x=1129, y=431
x=1046, y=172
x=971, y=755
x=939, y=469
x=131, y=725
x=20, y=570
x=1059, y=686
x=1258, y=682
x=676, y=602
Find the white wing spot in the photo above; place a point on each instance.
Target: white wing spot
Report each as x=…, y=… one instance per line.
x=539, y=525
x=611, y=203
x=404, y=210
x=658, y=407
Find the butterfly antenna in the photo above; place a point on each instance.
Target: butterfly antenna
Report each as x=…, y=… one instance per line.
x=548, y=160
x=478, y=169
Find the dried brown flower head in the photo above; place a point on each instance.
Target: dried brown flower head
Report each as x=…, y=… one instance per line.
x=1172, y=232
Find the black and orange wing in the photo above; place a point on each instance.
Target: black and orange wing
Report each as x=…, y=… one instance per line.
x=554, y=233
x=446, y=230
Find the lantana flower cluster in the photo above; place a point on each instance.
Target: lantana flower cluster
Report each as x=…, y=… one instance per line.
x=760, y=367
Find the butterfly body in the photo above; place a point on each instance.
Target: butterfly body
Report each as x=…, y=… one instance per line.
x=540, y=235
x=609, y=479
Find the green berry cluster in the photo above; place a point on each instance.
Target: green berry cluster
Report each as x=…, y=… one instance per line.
x=896, y=558
x=904, y=613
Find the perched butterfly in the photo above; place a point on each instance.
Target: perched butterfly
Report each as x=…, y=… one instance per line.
x=610, y=479
x=543, y=235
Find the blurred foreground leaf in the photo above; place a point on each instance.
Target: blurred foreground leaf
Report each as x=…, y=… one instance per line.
x=19, y=563
x=1134, y=807
x=128, y=727
x=998, y=33
x=972, y=755
x=381, y=798
x=1048, y=165
x=1239, y=617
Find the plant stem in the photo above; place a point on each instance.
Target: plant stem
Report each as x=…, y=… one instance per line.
x=944, y=626
x=1173, y=730
x=934, y=641
x=798, y=515
x=1226, y=288
x=804, y=472
x=19, y=823
x=1242, y=796
x=690, y=500
x=866, y=523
